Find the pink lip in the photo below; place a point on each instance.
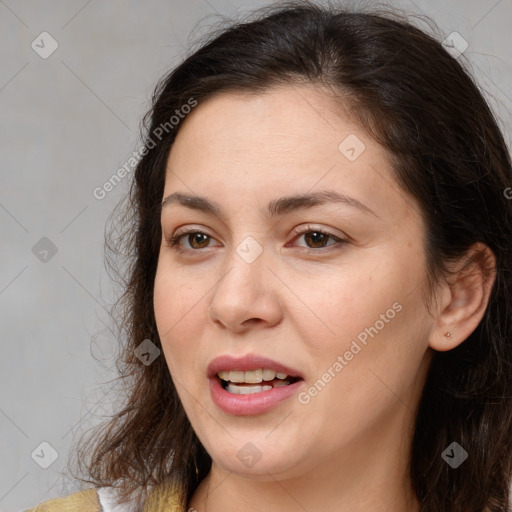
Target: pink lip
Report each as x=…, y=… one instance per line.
x=255, y=403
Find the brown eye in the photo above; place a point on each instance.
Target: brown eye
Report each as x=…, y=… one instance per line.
x=316, y=239
x=200, y=239
x=195, y=240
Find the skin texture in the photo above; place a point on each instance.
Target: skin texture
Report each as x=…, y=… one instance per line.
x=347, y=447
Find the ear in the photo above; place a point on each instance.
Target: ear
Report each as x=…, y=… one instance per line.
x=463, y=297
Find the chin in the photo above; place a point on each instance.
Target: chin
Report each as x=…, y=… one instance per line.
x=255, y=457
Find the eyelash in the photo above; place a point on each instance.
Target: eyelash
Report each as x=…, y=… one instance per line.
x=173, y=241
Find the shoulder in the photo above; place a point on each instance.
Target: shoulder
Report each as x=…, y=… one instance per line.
x=85, y=501
x=162, y=498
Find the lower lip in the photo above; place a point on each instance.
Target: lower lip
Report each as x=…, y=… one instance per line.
x=255, y=403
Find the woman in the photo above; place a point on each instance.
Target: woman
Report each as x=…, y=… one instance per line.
x=321, y=245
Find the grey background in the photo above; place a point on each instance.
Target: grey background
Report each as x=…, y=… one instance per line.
x=67, y=123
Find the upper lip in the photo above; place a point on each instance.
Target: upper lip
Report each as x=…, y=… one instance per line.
x=247, y=363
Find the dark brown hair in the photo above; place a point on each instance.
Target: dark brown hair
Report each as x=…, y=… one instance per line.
x=420, y=103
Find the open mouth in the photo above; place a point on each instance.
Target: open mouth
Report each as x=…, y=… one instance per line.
x=240, y=382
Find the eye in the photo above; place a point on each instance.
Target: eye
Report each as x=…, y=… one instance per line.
x=195, y=239
x=314, y=238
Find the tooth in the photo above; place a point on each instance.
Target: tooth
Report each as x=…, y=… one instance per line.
x=269, y=375
x=233, y=389
x=251, y=376
x=280, y=384
x=254, y=376
x=248, y=390
x=236, y=376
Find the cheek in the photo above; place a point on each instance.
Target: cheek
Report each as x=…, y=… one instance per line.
x=371, y=360
x=178, y=294
x=177, y=307
x=371, y=313
x=339, y=305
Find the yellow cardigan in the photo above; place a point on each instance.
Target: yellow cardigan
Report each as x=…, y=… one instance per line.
x=160, y=499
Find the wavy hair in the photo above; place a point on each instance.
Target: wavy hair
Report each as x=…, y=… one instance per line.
x=422, y=105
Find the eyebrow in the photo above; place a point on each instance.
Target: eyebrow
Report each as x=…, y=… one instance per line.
x=276, y=207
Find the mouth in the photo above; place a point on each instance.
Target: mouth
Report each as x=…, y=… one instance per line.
x=251, y=384
x=248, y=382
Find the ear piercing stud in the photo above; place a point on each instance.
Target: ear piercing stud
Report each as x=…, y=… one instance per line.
x=449, y=335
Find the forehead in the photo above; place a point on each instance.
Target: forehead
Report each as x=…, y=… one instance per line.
x=265, y=143
x=289, y=120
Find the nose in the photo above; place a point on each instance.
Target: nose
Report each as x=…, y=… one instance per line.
x=247, y=296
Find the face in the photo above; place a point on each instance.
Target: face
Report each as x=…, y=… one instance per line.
x=294, y=329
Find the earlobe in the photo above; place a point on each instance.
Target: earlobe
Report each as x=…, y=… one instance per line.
x=466, y=294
